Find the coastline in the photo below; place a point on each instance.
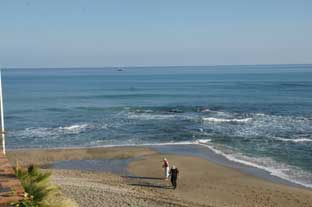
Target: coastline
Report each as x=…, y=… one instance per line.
x=205, y=152
x=203, y=182
x=196, y=149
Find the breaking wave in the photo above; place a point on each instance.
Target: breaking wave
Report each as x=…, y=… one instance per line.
x=206, y=127
x=202, y=141
x=211, y=119
x=147, y=116
x=43, y=132
x=257, y=125
x=293, y=140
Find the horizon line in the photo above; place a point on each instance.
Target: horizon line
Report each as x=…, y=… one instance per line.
x=154, y=66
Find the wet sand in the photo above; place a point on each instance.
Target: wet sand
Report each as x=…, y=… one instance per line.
x=41, y=157
x=201, y=183
x=206, y=183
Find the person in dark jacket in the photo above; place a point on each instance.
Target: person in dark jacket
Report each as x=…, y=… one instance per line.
x=174, y=172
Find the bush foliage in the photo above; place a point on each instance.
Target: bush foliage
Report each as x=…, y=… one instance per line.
x=39, y=192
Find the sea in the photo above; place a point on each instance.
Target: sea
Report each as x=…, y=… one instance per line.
x=256, y=115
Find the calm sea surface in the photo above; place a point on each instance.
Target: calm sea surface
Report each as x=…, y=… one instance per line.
x=257, y=115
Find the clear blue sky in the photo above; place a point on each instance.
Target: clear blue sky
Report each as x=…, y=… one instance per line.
x=64, y=33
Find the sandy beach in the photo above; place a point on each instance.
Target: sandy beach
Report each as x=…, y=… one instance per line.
x=94, y=95
x=201, y=182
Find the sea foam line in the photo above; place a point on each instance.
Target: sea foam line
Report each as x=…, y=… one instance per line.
x=204, y=143
x=270, y=170
x=293, y=140
x=211, y=119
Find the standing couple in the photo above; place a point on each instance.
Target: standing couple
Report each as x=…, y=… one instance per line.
x=173, y=173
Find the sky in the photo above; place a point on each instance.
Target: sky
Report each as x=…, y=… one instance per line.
x=101, y=33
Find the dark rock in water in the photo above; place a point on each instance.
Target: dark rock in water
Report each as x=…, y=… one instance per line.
x=175, y=111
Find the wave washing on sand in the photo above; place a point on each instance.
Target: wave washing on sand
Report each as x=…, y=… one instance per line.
x=258, y=133
x=278, y=169
x=284, y=171
x=287, y=172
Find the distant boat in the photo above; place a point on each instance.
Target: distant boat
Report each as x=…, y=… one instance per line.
x=119, y=69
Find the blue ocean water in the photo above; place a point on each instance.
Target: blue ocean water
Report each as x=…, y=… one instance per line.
x=257, y=115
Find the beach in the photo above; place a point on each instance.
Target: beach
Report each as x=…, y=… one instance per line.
x=255, y=115
x=96, y=97
x=201, y=182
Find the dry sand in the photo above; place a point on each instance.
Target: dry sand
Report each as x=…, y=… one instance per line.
x=201, y=183
x=95, y=189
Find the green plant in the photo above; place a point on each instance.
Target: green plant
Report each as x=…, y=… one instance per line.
x=36, y=185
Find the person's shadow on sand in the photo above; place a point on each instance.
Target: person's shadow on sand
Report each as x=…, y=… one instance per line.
x=145, y=184
x=149, y=185
x=142, y=177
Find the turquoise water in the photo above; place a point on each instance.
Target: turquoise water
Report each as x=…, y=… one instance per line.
x=257, y=115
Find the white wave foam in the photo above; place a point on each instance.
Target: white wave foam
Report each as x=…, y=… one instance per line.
x=206, y=110
x=147, y=144
x=74, y=128
x=202, y=141
x=212, y=119
x=259, y=125
x=151, y=116
x=259, y=114
x=42, y=132
x=36, y=132
x=144, y=111
x=274, y=168
x=147, y=116
x=293, y=140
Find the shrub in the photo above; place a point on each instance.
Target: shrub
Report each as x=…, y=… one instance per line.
x=39, y=192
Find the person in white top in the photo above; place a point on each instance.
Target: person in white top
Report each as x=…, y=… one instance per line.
x=166, y=168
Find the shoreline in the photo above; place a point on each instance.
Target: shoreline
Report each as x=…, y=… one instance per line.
x=201, y=182
x=200, y=150
x=205, y=152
